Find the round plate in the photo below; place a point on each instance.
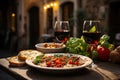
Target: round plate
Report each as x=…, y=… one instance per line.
x=87, y=60
x=41, y=48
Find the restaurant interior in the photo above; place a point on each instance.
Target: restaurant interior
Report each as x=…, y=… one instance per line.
x=25, y=23
x=19, y=19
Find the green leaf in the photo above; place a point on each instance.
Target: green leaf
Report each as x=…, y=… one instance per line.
x=93, y=29
x=105, y=37
x=38, y=59
x=77, y=45
x=94, y=54
x=105, y=44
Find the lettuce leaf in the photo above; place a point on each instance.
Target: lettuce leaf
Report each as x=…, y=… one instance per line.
x=77, y=46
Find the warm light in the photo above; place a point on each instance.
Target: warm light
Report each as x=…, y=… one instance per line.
x=48, y=6
x=55, y=4
x=51, y=4
x=13, y=14
x=45, y=7
x=13, y=22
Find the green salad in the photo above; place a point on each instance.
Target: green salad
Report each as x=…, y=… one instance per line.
x=77, y=46
x=98, y=50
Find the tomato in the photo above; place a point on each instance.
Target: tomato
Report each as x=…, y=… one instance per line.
x=71, y=62
x=48, y=64
x=103, y=53
x=63, y=63
x=76, y=62
x=95, y=42
x=58, y=61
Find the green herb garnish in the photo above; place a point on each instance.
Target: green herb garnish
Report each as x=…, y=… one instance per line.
x=38, y=59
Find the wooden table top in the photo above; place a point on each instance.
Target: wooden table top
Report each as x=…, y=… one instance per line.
x=100, y=71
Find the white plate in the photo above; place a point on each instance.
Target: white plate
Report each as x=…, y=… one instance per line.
x=87, y=60
x=41, y=48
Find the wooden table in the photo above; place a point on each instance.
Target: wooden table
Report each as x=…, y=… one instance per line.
x=100, y=71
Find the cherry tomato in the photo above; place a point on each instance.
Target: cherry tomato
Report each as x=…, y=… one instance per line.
x=57, y=61
x=76, y=62
x=103, y=53
x=71, y=62
x=48, y=64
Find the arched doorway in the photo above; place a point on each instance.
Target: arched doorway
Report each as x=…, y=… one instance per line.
x=67, y=13
x=114, y=21
x=33, y=26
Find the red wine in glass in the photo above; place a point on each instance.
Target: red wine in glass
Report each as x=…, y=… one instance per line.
x=62, y=36
x=62, y=31
x=91, y=37
x=91, y=31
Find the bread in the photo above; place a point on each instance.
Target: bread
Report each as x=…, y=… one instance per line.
x=118, y=49
x=14, y=61
x=19, y=60
x=24, y=54
x=115, y=55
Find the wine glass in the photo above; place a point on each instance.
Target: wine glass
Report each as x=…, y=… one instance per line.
x=91, y=31
x=62, y=31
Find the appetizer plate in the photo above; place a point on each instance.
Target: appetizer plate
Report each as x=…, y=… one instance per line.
x=87, y=62
x=50, y=47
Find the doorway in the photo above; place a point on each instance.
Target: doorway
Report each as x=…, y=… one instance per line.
x=33, y=26
x=8, y=23
x=67, y=14
x=114, y=20
x=49, y=19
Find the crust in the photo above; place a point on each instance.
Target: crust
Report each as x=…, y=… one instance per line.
x=24, y=54
x=14, y=61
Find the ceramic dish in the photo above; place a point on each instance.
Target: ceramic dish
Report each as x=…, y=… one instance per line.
x=43, y=47
x=87, y=62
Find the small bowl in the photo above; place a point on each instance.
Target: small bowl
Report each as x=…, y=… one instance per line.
x=40, y=47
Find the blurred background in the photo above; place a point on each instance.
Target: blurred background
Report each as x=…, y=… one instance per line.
x=23, y=23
